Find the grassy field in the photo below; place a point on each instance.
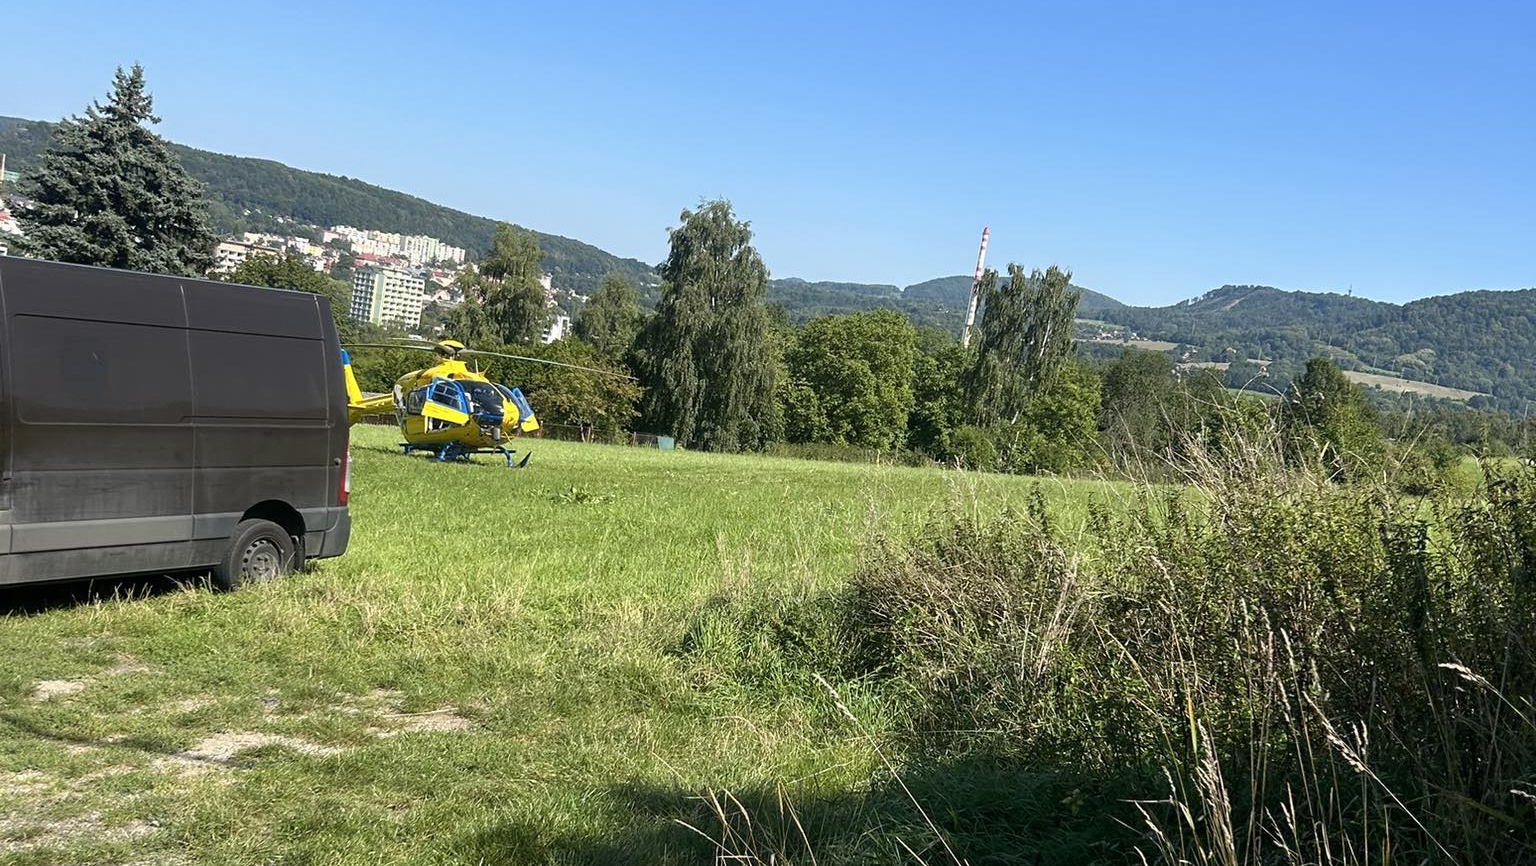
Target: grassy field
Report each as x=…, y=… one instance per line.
x=1147, y=345
x=487, y=676
x=1409, y=386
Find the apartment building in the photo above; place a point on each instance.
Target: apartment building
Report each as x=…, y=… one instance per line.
x=417, y=249
x=383, y=295
x=559, y=326
x=229, y=255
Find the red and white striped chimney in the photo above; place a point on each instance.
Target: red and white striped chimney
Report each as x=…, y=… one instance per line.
x=970, y=311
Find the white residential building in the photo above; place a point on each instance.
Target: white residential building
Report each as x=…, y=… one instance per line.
x=382, y=295
x=420, y=249
x=559, y=326
x=229, y=255
x=305, y=247
x=417, y=249
x=447, y=253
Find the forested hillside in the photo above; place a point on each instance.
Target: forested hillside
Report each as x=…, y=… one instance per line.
x=247, y=193
x=1241, y=307
x=938, y=303
x=1482, y=341
x=953, y=292
x=1477, y=341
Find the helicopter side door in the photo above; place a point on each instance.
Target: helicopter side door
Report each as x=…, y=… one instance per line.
x=446, y=403
x=412, y=423
x=435, y=406
x=526, y=422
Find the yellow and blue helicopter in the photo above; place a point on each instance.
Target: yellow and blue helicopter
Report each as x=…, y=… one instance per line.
x=447, y=408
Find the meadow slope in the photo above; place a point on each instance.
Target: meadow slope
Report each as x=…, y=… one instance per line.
x=488, y=675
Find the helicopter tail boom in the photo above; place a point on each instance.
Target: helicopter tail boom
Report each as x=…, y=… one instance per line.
x=358, y=406
x=354, y=393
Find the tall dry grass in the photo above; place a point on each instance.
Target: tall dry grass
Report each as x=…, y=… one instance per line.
x=1257, y=666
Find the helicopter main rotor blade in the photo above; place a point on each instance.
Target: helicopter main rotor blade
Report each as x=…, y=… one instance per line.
x=422, y=347
x=547, y=361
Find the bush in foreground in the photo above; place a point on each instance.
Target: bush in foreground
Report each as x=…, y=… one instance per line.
x=1262, y=666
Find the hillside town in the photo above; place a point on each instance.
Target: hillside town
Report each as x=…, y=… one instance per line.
x=394, y=277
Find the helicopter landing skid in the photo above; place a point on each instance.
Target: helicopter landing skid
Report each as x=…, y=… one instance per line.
x=455, y=451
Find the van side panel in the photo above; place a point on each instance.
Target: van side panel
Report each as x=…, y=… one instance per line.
x=102, y=439
x=104, y=295
x=235, y=309
x=276, y=446
x=261, y=404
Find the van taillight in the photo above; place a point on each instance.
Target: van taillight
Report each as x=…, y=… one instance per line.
x=346, y=473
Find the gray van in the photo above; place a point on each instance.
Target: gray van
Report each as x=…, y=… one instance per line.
x=153, y=424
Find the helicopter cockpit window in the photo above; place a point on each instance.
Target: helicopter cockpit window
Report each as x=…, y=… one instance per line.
x=483, y=398
x=446, y=393
x=415, y=400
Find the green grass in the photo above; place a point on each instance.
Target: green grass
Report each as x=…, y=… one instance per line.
x=485, y=676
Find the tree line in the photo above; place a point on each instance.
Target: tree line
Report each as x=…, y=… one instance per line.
x=722, y=369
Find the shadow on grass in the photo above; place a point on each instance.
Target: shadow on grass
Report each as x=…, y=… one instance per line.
x=41, y=598
x=977, y=811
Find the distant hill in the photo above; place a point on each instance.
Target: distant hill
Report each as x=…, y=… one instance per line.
x=1480, y=342
x=955, y=291
x=249, y=193
x=1242, y=306
x=804, y=301
x=937, y=303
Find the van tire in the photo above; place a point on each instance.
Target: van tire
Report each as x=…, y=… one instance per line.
x=259, y=551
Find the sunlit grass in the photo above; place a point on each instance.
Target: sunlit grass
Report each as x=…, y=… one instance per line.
x=510, y=631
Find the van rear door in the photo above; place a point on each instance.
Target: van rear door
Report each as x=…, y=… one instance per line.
x=262, y=404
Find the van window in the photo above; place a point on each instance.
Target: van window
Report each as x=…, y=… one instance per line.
x=256, y=376
x=82, y=372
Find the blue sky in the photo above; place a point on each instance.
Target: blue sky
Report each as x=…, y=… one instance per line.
x=1157, y=149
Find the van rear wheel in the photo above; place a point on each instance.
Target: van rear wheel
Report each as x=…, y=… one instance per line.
x=259, y=551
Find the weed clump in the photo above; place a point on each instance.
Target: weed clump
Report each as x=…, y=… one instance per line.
x=1261, y=665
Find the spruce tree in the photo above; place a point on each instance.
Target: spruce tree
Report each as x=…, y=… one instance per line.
x=109, y=192
x=707, y=360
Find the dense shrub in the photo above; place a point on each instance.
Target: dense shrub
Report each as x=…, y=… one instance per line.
x=972, y=448
x=1325, y=672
